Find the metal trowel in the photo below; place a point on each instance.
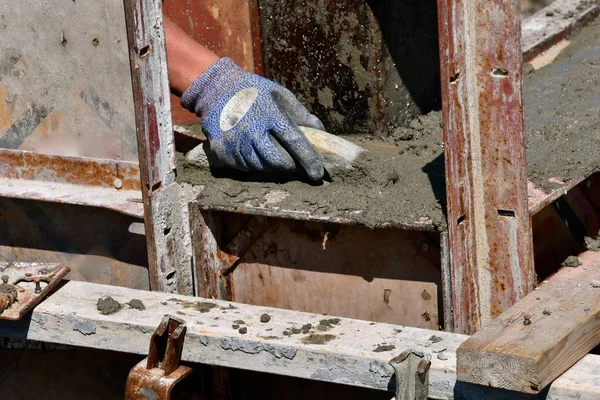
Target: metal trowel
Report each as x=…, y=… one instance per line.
x=337, y=153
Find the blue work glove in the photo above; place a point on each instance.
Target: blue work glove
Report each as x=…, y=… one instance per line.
x=251, y=122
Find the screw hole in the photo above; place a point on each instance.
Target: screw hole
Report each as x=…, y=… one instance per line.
x=454, y=78
x=506, y=213
x=156, y=186
x=167, y=230
x=500, y=72
x=144, y=51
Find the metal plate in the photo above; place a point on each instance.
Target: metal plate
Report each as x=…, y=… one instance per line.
x=32, y=282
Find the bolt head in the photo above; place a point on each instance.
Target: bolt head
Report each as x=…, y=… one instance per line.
x=118, y=184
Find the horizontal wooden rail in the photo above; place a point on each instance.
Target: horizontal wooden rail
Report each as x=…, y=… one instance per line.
x=338, y=350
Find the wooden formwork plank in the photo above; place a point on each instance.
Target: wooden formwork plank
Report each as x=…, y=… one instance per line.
x=540, y=337
x=349, y=352
x=486, y=182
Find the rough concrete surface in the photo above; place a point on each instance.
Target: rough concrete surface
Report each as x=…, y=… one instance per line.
x=400, y=179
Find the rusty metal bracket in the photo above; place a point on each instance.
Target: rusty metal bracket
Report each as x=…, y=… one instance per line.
x=24, y=285
x=412, y=375
x=156, y=375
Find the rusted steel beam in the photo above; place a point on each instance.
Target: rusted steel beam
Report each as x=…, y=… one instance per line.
x=206, y=231
x=163, y=213
x=110, y=184
x=488, y=219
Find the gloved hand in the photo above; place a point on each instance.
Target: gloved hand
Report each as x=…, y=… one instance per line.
x=251, y=122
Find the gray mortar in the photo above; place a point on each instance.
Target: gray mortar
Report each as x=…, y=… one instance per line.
x=562, y=112
x=403, y=184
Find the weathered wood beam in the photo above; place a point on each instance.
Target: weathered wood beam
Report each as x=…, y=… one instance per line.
x=343, y=350
x=486, y=181
x=540, y=337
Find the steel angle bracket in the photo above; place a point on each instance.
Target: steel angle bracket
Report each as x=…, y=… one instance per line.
x=412, y=375
x=24, y=285
x=156, y=375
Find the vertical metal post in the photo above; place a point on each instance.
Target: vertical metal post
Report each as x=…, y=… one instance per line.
x=486, y=181
x=165, y=215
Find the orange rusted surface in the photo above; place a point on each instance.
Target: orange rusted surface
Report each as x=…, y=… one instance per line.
x=24, y=285
x=16, y=164
x=227, y=27
x=486, y=181
x=154, y=377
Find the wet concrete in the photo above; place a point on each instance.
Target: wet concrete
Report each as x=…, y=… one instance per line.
x=400, y=179
x=372, y=65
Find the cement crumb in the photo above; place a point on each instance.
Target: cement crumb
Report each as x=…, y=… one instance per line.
x=442, y=356
x=327, y=324
x=435, y=339
x=137, y=304
x=383, y=348
x=592, y=244
x=316, y=338
x=108, y=305
x=265, y=318
x=571, y=261
x=595, y=283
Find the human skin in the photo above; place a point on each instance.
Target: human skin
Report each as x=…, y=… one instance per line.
x=186, y=58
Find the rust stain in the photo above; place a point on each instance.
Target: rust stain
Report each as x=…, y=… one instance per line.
x=76, y=170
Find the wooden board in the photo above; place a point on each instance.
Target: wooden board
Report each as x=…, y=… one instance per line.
x=564, y=324
x=382, y=275
x=70, y=317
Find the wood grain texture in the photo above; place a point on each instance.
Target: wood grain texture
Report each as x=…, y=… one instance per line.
x=381, y=275
x=539, y=338
x=486, y=182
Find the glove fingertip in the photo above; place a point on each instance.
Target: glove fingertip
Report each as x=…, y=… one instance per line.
x=315, y=171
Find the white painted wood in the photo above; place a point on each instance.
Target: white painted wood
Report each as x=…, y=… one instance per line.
x=70, y=317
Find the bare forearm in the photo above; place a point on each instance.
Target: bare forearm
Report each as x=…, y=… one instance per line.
x=186, y=58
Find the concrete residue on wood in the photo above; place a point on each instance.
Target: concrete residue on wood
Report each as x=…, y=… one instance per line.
x=202, y=306
x=108, y=305
x=592, y=244
x=316, y=338
x=137, y=304
x=383, y=348
x=571, y=261
x=265, y=318
x=327, y=324
x=400, y=178
x=85, y=327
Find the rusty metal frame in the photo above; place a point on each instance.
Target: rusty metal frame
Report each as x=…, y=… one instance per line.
x=486, y=179
x=165, y=205
x=109, y=184
x=156, y=375
x=21, y=288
